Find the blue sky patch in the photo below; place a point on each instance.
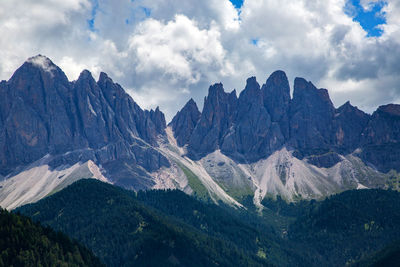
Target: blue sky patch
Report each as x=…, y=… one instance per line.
x=90, y=21
x=254, y=41
x=144, y=13
x=369, y=19
x=146, y=10
x=237, y=3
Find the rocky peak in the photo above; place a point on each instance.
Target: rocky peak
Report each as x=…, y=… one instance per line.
x=276, y=98
x=250, y=98
x=111, y=90
x=86, y=81
x=276, y=95
x=215, y=90
x=185, y=121
x=158, y=119
x=191, y=105
x=391, y=110
x=129, y=115
x=311, y=117
x=103, y=77
x=348, y=108
x=42, y=62
x=216, y=118
x=85, y=74
x=38, y=69
x=47, y=114
x=252, y=136
x=93, y=112
x=384, y=126
x=345, y=107
x=349, y=123
x=251, y=93
x=381, y=138
x=37, y=114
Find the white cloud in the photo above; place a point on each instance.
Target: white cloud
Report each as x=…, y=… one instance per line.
x=178, y=48
x=42, y=62
x=369, y=4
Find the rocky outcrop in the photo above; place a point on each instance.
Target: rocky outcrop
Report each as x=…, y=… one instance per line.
x=36, y=121
x=217, y=116
x=326, y=160
x=311, y=118
x=349, y=123
x=384, y=126
x=252, y=134
x=261, y=121
x=276, y=98
x=381, y=138
x=146, y=125
x=184, y=122
x=43, y=113
x=243, y=127
x=158, y=120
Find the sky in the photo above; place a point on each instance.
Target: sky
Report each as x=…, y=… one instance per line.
x=164, y=52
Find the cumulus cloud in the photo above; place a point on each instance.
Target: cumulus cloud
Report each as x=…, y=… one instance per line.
x=179, y=49
x=164, y=52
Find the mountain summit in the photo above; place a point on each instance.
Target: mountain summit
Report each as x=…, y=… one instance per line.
x=47, y=120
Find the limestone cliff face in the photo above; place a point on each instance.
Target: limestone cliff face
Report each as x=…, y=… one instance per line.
x=217, y=116
x=252, y=134
x=349, y=124
x=381, y=138
x=311, y=117
x=276, y=98
x=185, y=121
x=263, y=120
x=43, y=113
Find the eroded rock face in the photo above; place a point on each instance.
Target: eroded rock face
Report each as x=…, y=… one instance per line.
x=242, y=127
x=261, y=121
x=326, y=160
x=184, y=122
x=43, y=113
x=146, y=125
x=35, y=116
x=311, y=116
x=217, y=116
x=381, y=138
x=276, y=98
x=252, y=135
x=349, y=123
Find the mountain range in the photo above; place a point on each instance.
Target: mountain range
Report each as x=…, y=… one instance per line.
x=260, y=144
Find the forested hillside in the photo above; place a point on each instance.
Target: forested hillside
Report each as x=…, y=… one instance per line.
x=26, y=243
x=170, y=228
x=124, y=231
